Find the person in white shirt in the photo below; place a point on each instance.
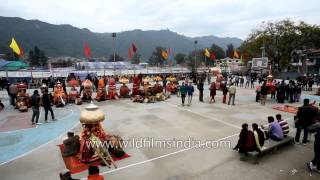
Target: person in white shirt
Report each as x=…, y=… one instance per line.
x=232, y=93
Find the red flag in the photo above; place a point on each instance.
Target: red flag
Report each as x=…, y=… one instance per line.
x=129, y=53
x=21, y=52
x=134, y=48
x=87, y=51
x=212, y=56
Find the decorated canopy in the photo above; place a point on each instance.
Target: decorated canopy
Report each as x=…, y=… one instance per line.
x=14, y=65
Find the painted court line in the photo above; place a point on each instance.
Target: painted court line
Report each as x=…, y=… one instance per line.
x=42, y=145
x=208, y=117
x=163, y=156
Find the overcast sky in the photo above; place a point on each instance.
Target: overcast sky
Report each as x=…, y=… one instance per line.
x=232, y=18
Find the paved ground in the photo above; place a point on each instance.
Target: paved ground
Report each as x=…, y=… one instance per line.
x=36, y=155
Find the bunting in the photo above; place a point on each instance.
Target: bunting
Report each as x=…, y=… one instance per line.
x=235, y=54
x=130, y=53
x=164, y=54
x=134, y=48
x=87, y=50
x=206, y=52
x=15, y=47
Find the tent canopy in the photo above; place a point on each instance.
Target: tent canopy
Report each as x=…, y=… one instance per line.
x=14, y=65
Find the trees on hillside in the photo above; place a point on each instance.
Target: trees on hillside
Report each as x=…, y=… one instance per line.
x=230, y=50
x=180, y=58
x=218, y=51
x=116, y=58
x=37, y=57
x=156, y=58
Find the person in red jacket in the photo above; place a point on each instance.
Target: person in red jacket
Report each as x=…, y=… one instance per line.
x=94, y=173
x=246, y=142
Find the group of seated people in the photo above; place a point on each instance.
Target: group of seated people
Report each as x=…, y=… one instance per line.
x=250, y=141
x=150, y=94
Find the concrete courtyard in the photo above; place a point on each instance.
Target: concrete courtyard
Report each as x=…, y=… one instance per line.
x=32, y=152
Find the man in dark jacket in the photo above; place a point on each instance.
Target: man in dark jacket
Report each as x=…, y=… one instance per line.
x=35, y=103
x=71, y=145
x=314, y=165
x=306, y=116
x=200, y=88
x=46, y=102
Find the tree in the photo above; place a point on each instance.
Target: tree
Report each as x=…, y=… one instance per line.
x=37, y=57
x=136, y=58
x=230, y=50
x=218, y=51
x=280, y=39
x=116, y=58
x=180, y=58
x=156, y=57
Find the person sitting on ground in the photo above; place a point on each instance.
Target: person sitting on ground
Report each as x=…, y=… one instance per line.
x=246, y=140
x=65, y=175
x=94, y=173
x=284, y=125
x=71, y=145
x=258, y=137
x=274, y=130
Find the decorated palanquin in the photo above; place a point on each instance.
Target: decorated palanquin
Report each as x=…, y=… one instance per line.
x=147, y=88
x=112, y=91
x=43, y=88
x=157, y=88
x=271, y=86
x=59, y=96
x=87, y=90
x=124, y=89
x=172, y=85
x=73, y=83
x=74, y=96
x=101, y=92
x=95, y=143
x=136, y=85
x=216, y=71
x=22, y=99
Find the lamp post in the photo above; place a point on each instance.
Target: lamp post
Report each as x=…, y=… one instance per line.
x=114, y=35
x=195, y=54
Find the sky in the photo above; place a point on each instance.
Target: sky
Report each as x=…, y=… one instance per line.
x=223, y=18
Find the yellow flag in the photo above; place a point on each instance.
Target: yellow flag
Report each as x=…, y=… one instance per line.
x=206, y=52
x=164, y=54
x=14, y=46
x=235, y=54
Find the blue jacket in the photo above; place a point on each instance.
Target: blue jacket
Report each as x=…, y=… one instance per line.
x=190, y=90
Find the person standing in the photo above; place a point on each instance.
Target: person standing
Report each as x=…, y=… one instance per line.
x=35, y=103
x=258, y=92
x=232, y=93
x=314, y=165
x=306, y=116
x=46, y=102
x=190, y=90
x=200, y=88
x=264, y=93
x=183, y=92
x=13, y=91
x=213, y=92
x=224, y=92
x=164, y=84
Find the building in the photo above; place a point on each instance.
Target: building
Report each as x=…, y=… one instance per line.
x=231, y=65
x=306, y=61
